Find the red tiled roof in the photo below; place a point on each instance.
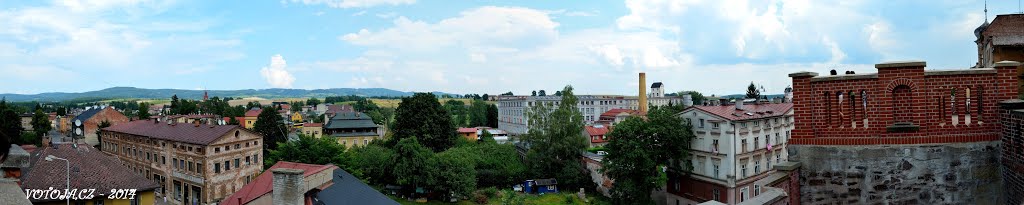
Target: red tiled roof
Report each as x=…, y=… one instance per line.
x=339, y=108
x=467, y=129
x=312, y=124
x=596, y=131
x=253, y=113
x=90, y=169
x=614, y=112
x=29, y=148
x=755, y=111
x=264, y=183
x=181, y=132
x=1006, y=24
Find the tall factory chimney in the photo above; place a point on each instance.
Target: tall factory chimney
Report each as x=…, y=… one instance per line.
x=643, y=93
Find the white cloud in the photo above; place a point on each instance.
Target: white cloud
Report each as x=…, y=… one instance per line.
x=355, y=3
x=276, y=73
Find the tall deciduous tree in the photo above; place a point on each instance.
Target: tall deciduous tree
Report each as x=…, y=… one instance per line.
x=752, y=91
x=411, y=166
x=373, y=163
x=41, y=122
x=269, y=124
x=638, y=146
x=492, y=115
x=175, y=105
x=555, y=141
x=10, y=123
x=478, y=113
x=422, y=116
x=309, y=150
x=143, y=111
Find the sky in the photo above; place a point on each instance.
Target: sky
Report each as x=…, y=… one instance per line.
x=484, y=46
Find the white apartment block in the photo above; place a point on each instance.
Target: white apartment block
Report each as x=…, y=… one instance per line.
x=512, y=109
x=734, y=149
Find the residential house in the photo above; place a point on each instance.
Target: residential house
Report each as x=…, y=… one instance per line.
x=313, y=129
x=251, y=117
x=597, y=135
x=261, y=191
x=89, y=121
x=90, y=169
x=473, y=134
x=469, y=133
x=733, y=153
x=296, y=117
x=192, y=162
x=353, y=129
x=540, y=186
x=349, y=190
x=614, y=116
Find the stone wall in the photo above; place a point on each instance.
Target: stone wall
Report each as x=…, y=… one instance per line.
x=1012, y=156
x=952, y=173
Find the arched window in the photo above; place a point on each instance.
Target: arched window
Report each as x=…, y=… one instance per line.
x=864, y=101
x=980, y=92
x=967, y=101
x=902, y=104
x=828, y=108
x=853, y=105
x=952, y=101
x=839, y=105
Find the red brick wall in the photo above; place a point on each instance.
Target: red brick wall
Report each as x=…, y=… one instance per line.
x=820, y=119
x=109, y=114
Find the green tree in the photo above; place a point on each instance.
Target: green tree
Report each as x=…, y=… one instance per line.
x=269, y=124
x=143, y=111
x=752, y=91
x=364, y=105
x=555, y=140
x=28, y=138
x=372, y=163
x=455, y=174
x=478, y=113
x=509, y=93
x=558, y=93
x=638, y=146
x=99, y=128
x=423, y=116
x=534, y=93
x=492, y=115
x=412, y=164
x=309, y=150
x=41, y=123
x=10, y=123
x=233, y=121
x=542, y=93
x=313, y=101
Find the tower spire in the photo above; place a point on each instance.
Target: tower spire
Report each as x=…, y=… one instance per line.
x=986, y=10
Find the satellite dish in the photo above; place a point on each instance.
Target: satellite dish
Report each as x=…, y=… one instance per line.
x=78, y=131
x=78, y=122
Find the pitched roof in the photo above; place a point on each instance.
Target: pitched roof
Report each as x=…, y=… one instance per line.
x=339, y=108
x=467, y=129
x=312, y=124
x=545, y=182
x=1006, y=25
x=179, y=132
x=614, y=112
x=90, y=169
x=749, y=112
x=253, y=113
x=595, y=130
x=12, y=193
x=348, y=189
x=87, y=114
x=656, y=85
x=347, y=120
x=264, y=184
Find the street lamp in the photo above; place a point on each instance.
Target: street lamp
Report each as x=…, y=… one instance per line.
x=66, y=175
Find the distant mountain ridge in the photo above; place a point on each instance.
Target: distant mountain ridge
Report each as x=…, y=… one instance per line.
x=143, y=93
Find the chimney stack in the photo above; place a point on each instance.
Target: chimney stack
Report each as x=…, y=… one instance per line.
x=289, y=186
x=739, y=104
x=687, y=100
x=643, y=93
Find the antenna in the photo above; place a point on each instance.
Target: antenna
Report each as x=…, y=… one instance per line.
x=986, y=10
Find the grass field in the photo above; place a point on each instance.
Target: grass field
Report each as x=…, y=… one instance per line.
x=393, y=103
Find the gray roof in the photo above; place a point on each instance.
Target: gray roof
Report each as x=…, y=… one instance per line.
x=12, y=193
x=87, y=114
x=347, y=189
x=656, y=85
x=353, y=134
x=350, y=120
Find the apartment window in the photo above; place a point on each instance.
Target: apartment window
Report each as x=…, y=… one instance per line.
x=714, y=125
x=743, y=143
x=778, y=157
x=714, y=146
x=757, y=190
x=238, y=146
x=216, y=168
x=756, y=124
x=147, y=156
x=716, y=171
x=743, y=124
x=247, y=158
x=757, y=144
x=743, y=172
x=256, y=157
x=716, y=195
x=199, y=168
x=163, y=160
x=757, y=166
x=701, y=125
x=236, y=162
x=743, y=194
x=175, y=161
x=216, y=150
x=227, y=165
x=191, y=167
x=255, y=143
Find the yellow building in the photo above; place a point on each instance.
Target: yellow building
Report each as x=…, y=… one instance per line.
x=92, y=170
x=468, y=133
x=250, y=118
x=313, y=129
x=353, y=129
x=297, y=117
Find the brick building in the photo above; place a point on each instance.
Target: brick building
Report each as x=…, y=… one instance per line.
x=90, y=120
x=733, y=154
x=194, y=163
x=902, y=135
x=1012, y=156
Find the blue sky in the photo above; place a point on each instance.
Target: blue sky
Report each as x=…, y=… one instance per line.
x=486, y=46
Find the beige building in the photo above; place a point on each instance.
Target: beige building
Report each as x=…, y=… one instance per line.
x=193, y=163
x=313, y=129
x=353, y=129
